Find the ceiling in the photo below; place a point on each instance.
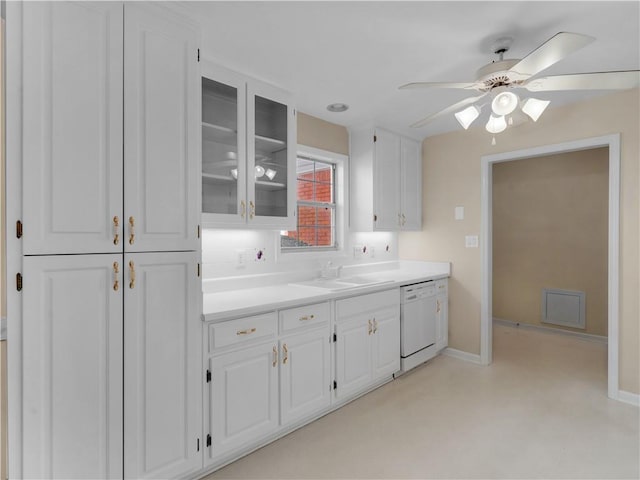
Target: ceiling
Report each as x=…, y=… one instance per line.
x=360, y=52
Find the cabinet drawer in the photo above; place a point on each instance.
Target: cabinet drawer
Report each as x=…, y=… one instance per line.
x=367, y=303
x=294, y=318
x=442, y=286
x=242, y=330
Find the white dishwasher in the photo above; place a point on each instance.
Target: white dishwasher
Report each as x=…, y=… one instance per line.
x=417, y=324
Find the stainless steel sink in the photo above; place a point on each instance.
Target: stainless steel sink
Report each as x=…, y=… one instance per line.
x=336, y=284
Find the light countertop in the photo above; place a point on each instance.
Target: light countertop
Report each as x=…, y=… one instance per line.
x=219, y=306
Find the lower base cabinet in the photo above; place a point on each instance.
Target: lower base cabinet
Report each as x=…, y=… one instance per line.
x=368, y=340
x=243, y=397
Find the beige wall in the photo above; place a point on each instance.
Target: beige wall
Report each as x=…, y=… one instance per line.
x=317, y=133
x=452, y=177
x=550, y=228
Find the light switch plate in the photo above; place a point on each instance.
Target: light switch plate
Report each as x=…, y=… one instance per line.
x=471, y=241
x=459, y=213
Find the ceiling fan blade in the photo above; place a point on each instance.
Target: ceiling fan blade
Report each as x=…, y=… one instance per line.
x=553, y=50
x=450, y=109
x=586, y=81
x=416, y=85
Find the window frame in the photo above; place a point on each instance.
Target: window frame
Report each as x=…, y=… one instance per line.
x=340, y=202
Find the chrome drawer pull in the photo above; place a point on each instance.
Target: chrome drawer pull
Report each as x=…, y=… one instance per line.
x=248, y=331
x=307, y=317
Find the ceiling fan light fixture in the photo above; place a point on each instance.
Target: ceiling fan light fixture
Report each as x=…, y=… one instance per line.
x=504, y=103
x=496, y=124
x=534, y=107
x=467, y=116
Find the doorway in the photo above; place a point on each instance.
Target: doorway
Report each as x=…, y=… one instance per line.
x=486, y=240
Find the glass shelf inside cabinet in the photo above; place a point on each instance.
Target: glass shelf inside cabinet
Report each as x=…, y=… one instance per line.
x=270, y=158
x=220, y=168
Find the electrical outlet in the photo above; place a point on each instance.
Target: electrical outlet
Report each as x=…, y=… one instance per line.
x=359, y=251
x=259, y=254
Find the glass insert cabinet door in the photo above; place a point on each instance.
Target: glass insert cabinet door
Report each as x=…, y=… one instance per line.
x=224, y=147
x=271, y=157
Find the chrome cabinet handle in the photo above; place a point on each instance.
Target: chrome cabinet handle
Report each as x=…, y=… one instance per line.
x=116, y=270
x=275, y=356
x=286, y=353
x=243, y=208
x=437, y=306
x=116, y=234
x=399, y=219
x=252, y=209
x=370, y=327
x=248, y=331
x=132, y=274
x=403, y=220
x=306, y=317
x=375, y=326
x=132, y=233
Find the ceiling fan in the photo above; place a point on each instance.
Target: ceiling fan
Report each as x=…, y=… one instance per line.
x=498, y=78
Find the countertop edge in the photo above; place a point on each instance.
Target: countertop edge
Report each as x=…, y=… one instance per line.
x=315, y=295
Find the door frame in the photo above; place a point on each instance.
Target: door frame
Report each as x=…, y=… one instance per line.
x=486, y=232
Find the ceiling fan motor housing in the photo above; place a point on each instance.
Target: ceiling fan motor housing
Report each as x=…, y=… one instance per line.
x=496, y=74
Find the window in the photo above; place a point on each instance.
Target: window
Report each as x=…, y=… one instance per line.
x=316, y=212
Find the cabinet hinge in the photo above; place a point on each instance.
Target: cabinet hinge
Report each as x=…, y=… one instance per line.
x=208, y=440
x=335, y=385
x=208, y=376
x=375, y=138
x=19, y=282
x=335, y=337
x=198, y=231
x=19, y=229
x=198, y=269
x=198, y=54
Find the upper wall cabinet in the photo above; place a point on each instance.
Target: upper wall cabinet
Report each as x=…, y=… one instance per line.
x=248, y=152
x=77, y=57
x=386, y=181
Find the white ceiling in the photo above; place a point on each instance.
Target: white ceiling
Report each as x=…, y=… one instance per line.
x=360, y=52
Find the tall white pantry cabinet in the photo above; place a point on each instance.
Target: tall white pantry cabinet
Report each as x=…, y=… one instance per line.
x=104, y=155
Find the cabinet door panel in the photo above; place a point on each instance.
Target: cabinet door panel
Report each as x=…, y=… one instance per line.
x=304, y=375
x=353, y=356
x=411, y=184
x=386, y=343
x=162, y=131
x=72, y=127
x=244, y=397
x=162, y=365
x=72, y=367
x=386, y=200
x=442, y=321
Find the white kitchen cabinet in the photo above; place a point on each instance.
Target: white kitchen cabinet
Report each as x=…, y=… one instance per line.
x=367, y=340
x=248, y=152
x=72, y=366
x=72, y=127
x=162, y=134
x=243, y=397
x=162, y=378
x=305, y=382
x=442, y=314
x=386, y=343
x=353, y=355
x=385, y=181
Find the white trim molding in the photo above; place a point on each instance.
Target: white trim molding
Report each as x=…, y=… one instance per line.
x=486, y=311
x=558, y=331
x=628, y=397
x=459, y=354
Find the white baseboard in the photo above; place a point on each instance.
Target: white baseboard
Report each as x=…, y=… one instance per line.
x=628, y=397
x=584, y=336
x=466, y=356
